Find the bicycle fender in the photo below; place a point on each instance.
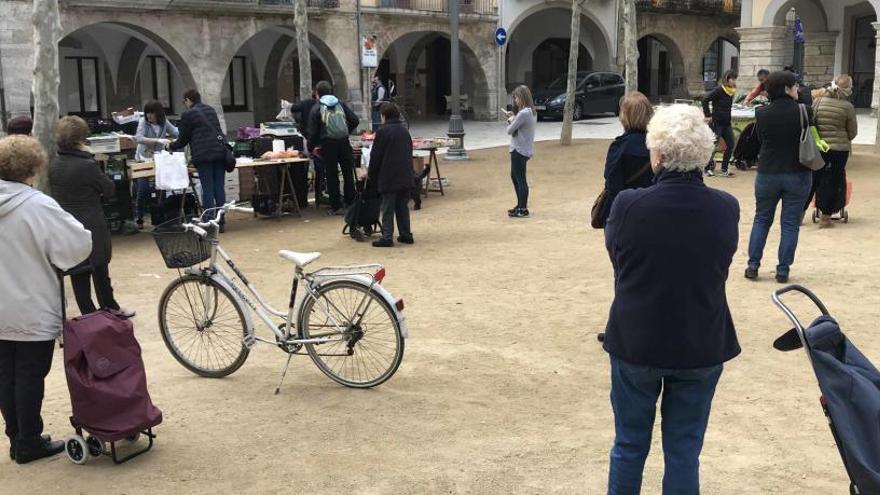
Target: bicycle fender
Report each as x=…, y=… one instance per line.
x=381, y=291
x=246, y=309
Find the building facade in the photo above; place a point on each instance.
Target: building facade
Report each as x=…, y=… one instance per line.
x=241, y=54
x=819, y=38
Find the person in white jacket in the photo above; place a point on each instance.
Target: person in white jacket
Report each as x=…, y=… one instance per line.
x=38, y=238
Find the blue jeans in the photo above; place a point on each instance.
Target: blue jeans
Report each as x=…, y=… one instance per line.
x=376, y=117
x=518, y=175
x=687, y=400
x=142, y=191
x=213, y=179
x=792, y=189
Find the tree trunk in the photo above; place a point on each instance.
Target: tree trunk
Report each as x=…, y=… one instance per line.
x=47, y=31
x=630, y=45
x=577, y=8
x=877, y=136
x=303, y=48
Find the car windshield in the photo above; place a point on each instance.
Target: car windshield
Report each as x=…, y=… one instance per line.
x=562, y=83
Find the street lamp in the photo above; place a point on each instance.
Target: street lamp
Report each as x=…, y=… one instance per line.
x=456, y=126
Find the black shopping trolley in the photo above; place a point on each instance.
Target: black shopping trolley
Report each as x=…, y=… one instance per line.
x=850, y=387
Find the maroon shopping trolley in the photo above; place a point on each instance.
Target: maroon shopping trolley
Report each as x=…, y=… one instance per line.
x=108, y=389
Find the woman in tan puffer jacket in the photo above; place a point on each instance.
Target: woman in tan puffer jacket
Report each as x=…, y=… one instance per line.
x=837, y=125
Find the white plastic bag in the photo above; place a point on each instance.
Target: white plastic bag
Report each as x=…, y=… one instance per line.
x=284, y=115
x=365, y=157
x=171, y=171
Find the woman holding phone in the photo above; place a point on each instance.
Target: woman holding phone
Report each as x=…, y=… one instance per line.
x=521, y=128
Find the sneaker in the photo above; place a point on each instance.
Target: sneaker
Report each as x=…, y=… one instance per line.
x=521, y=213
x=383, y=243
x=43, y=448
x=752, y=273
x=825, y=221
x=709, y=173
x=406, y=239
x=358, y=234
x=782, y=279
x=512, y=211
x=335, y=212
x=727, y=173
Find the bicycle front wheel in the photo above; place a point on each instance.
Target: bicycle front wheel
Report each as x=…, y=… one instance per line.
x=364, y=345
x=203, y=326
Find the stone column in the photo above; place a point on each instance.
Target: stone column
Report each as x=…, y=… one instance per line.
x=819, y=57
x=17, y=53
x=875, y=100
x=761, y=48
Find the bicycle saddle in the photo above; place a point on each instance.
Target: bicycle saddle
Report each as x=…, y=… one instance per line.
x=299, y=259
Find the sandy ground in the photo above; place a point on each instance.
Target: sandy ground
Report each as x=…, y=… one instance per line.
x=503, y=388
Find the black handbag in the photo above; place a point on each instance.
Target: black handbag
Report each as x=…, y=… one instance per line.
x=229, y=159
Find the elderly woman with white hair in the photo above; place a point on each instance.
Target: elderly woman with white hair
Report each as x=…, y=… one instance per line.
x=670, y=329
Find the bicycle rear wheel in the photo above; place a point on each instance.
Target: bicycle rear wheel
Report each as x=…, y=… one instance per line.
x=203, y=326
x=367, y=345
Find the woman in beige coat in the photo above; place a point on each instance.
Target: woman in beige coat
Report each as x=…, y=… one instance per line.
x=837, y=125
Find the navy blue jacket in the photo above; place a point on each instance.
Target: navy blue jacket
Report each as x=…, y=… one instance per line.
x=391, y=162
x=626, y=156
x=199, y=128
x=671, y=246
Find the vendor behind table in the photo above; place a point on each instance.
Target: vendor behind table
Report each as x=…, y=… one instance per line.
x=152, y=136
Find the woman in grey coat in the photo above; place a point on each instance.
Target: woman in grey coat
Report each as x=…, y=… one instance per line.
x=152, y=137
x=79, y=186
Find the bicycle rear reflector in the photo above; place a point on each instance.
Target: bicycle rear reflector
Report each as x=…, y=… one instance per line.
x=399, y=304
x=379, y=276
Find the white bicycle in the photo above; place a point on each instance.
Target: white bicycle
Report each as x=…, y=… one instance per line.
x=346, y=321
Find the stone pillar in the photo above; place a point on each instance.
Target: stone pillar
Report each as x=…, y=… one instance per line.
x=761, y=48
x=875, y=99
x=819, y=57
x=17, y=52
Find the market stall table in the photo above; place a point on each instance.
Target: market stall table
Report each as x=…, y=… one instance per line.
x=286, y=188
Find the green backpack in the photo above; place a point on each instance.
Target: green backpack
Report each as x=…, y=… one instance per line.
x=334, y=121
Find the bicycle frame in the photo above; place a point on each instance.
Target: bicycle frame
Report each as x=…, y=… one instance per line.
x=265, y=311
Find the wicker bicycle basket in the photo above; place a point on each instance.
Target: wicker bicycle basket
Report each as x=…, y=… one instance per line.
x=181, y=248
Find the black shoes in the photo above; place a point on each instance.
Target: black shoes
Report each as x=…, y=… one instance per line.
x=383, y=243
x=518, y=213
x=782, y=279
x=752, y=273
x=357, y=233
x=406, y=239
x=336, y=212
x=24, y=454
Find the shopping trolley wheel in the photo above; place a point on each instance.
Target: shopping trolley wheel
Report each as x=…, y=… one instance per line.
x=134, y=438
x=845, y=216
x=815, y=216
x=77, y=450
x=96, y=446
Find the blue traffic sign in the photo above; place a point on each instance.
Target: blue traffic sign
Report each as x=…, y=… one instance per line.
x=500, y=36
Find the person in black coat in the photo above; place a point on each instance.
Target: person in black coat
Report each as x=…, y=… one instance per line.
x=719, y=118
x=781, y=177
x=628, y=164
x=336, y=153
x=79, y=186
x=199, y=129
x=391, y=171
x=670, y=328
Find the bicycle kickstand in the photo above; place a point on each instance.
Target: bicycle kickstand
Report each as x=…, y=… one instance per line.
x=283, y=374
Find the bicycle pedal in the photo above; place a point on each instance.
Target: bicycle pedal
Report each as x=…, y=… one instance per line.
x=249, y=341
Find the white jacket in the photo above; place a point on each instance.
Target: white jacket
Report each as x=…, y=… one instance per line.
x=36, y=236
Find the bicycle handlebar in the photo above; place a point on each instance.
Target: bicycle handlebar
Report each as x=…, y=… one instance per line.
x=199, y=227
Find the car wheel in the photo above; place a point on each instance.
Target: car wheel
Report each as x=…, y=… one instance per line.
x=578, y=113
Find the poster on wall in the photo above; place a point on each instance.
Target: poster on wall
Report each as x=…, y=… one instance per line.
x=369, y=54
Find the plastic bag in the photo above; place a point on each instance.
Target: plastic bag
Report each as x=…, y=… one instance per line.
x=285, y=115
x=171, y=171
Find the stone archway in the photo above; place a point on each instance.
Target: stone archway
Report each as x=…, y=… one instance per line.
x=108, y=66
x=720, y=56
x=661, y=68
x=424, y=58
x=528, y=32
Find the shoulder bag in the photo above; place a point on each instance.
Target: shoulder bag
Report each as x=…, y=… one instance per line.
x=810, y=156
x=229, y=159
x=596, y=220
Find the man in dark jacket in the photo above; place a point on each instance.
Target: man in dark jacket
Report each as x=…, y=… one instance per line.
x=302, y=112
x=719, y=118
x=200, y=129
x=328, y=122
x=670, y=327
x=391, y=171
x=781, y=177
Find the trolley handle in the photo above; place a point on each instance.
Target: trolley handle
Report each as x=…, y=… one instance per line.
x=803, y=290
